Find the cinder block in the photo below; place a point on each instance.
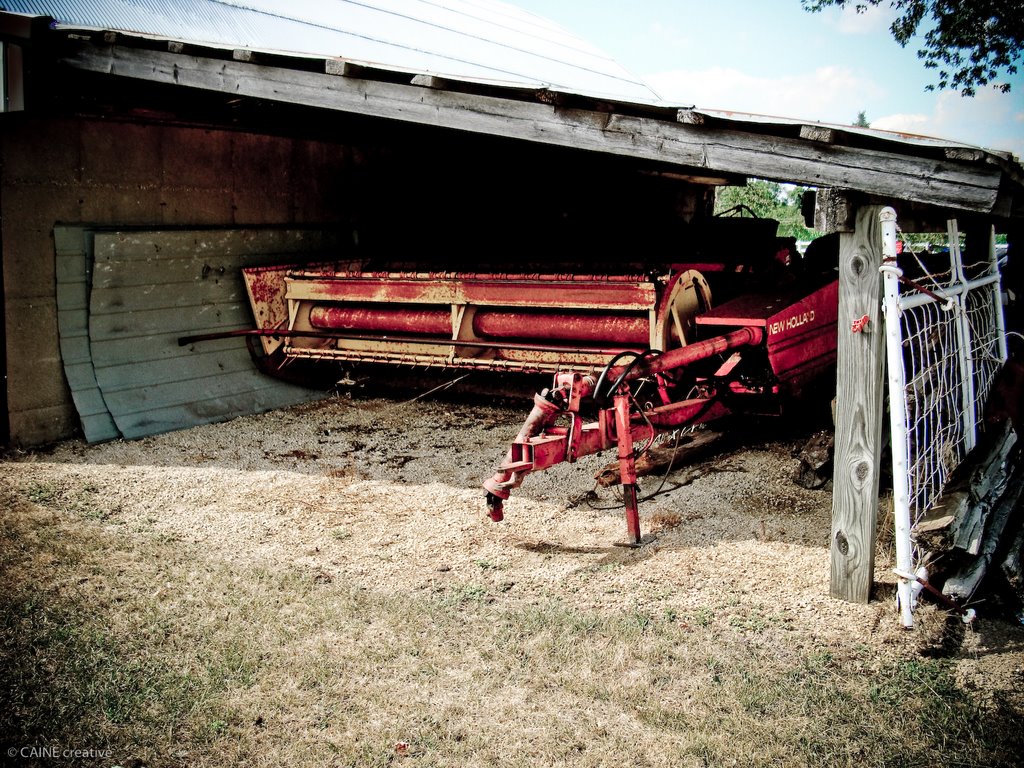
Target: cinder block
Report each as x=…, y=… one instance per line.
x=192, y=157
x=39, y=205
x=29, y=261
x=260, y=163
x=43, y=425
x=320, y=159
x=321, y=171
x=258, y=207
x=36, y=383
x=35, y=374
x=122, y=205
x=40, y=150
x=43, y=386
x=189, y=206
x=121, y=154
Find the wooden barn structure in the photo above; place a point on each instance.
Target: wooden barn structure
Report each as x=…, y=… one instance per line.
x=142, y=168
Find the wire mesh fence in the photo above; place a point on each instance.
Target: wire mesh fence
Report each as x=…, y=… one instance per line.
x=946, y=340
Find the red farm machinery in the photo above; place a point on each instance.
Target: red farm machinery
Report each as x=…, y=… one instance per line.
x=604, y=334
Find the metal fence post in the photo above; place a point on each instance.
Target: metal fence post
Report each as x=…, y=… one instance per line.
x=968, y=413
x=897, y=412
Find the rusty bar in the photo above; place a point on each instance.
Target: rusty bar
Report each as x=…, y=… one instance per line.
x=692, y=353
x=687, y=412
x=327, y=335
x=494, y=324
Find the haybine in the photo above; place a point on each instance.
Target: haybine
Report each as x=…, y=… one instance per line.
x=635, y=353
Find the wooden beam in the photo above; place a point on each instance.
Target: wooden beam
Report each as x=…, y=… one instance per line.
x=342, y=68
x=689, y=117
x=965, y=153
x=689, y=178
x=936, y=181
x=429, y=81
x=859, y=397
x=834, y=210
x=818, y=133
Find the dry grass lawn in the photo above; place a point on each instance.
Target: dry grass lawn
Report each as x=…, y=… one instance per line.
x=321, y=587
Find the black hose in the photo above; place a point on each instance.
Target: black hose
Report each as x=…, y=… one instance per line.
x=601, y=398
x=598, y=397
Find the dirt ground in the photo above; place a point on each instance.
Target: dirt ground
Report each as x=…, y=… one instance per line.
x=385, y=496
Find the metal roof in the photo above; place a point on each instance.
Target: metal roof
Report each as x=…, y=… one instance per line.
x=494, y=65
x=778, y=121
x=462, y=39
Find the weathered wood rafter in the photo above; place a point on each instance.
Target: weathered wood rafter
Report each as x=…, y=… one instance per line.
x=947, y=182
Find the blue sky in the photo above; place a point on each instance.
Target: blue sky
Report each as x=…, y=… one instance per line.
x=772, y=57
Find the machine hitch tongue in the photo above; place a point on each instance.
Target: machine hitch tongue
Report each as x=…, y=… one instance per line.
x=547, y=405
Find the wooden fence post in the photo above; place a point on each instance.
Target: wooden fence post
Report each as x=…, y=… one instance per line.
x=859, y=412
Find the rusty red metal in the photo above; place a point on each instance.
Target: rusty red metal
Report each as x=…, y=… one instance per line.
x=432, y=322
x=795, y=336
x=516, y=321
x=544, y=412
x=627, y=463
x=800, y=330
x=701, y=350
x=265, y=286
x=629, y=330
x=577, y=291
x=598, y=332
x=475, y=320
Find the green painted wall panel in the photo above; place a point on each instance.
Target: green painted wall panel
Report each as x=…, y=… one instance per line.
x=73, y=268
x=201, y=364
x=149, y=288
x=206, y=411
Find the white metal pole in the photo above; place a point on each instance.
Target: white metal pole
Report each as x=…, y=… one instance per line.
x=965, y=341
x=897, y=413
x=997, y=296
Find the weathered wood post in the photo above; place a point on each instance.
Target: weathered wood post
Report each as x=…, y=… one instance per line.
x=859, y=412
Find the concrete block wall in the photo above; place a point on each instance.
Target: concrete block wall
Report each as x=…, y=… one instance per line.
x=106, y=173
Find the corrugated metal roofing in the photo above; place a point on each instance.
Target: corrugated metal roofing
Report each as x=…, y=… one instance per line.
x=464, y=39
x=774, y=120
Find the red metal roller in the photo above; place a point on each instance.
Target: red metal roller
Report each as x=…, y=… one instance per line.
x=405, y=320
x=603, y=329
x=514, y=321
